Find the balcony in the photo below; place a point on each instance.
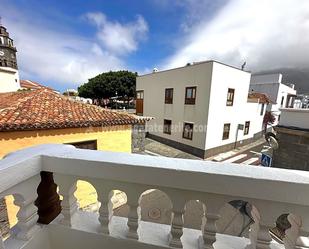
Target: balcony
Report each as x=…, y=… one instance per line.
x=31, y=176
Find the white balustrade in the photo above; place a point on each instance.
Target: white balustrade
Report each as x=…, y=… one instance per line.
x=67, y=188
x=272, y=192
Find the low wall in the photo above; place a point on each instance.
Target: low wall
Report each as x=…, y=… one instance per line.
x=293, y=151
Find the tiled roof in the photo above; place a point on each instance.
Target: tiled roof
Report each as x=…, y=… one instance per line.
x=45, y=109
x=31, y=85
x=260, y=97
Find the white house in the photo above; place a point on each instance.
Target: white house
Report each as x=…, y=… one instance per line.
x=202, y=108
x=281, y=95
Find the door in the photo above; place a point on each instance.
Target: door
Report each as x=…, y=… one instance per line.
x=139, y=103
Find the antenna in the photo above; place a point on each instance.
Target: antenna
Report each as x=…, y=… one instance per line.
x=0, y=20
x=243, y=66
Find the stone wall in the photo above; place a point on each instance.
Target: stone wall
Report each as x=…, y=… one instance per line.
x=293, y=151
x=138, y=138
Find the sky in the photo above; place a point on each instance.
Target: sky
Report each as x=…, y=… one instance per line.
x=62, y=44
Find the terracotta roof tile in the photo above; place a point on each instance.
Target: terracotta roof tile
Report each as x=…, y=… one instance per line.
x=31, y=85
x=260, y=97
x=45, y=109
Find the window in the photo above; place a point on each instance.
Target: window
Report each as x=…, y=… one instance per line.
x=190, y=95
x=247, y=126
x=262, y=109
x=169, y=96
x=282, y=101
x=140, y=94
x=226, y=131
x=187, y=131
x=167, y=127
x=230, y=97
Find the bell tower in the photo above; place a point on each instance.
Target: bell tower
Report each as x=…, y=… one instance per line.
x=9, y=77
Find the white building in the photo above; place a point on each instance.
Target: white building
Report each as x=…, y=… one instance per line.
x=202, y=108
x=9, y=77
x=281, y=95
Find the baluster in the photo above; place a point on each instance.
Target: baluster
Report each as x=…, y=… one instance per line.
x=67, y=188
x=105, y=211
x=176, y=228
x=291, y=233
x=27, y=216
x=294, y=235
x=263, y=236
x=210, y=230
x=266, y=220
x=302, y=242
x=48, y=201
x=133, y=216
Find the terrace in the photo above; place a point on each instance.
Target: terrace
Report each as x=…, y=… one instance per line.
x=32, y=176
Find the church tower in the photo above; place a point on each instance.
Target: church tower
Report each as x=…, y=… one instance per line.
x=9, y=77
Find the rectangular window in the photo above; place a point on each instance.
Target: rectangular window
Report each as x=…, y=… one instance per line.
x=167, y=127
x=282, y=101
x=190, y=95
x=169, y=95
x=247, y=126
x=230, y=97
x=226, y=131
x=262, y=109
x=187, y=131
x=140, y=94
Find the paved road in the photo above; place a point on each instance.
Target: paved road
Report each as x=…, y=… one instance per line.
x=248, y=157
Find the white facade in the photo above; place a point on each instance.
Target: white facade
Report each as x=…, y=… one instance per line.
x=272, y=85
x=298, y=118
x=210, y=111
x=9, y=79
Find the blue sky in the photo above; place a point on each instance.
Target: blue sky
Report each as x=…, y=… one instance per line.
x=63, y=43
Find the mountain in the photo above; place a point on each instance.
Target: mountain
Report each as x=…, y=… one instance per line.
x=299, y=77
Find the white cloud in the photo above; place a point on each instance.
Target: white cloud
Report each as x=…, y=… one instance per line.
x=116, y=37
x=265, y=33
x=56, y=54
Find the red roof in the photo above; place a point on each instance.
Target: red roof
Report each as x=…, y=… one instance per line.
x=31, y=85
x=260, y=97
x=45, y=109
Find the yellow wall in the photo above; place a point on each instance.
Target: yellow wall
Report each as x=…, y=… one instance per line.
x=113, y=138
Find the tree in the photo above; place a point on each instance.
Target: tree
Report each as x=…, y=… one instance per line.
x=268, y=119
x=105, y=85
